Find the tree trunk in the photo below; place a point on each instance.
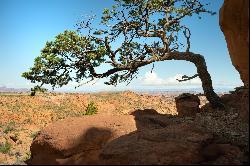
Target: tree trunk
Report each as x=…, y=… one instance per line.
x=206, y=80
x=204, y=75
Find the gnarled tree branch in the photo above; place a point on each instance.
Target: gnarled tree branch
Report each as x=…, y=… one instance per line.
x=187, y=78
x=148, y=31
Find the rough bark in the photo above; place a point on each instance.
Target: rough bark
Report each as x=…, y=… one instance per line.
x=203, y=73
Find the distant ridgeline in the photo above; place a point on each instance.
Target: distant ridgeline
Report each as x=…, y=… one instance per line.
x=179, y=91
x=140, y=90
x=5, y=89
x=151, y=91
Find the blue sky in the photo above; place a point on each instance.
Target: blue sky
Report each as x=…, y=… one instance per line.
x=26, y=25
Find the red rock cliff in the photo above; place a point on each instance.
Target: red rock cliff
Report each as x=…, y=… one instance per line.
x=234, y=22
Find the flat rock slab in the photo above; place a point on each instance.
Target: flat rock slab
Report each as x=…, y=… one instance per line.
x=110, y=140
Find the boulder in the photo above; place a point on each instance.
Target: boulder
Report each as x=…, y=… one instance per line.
x=238, y=101
x=78, y=140
x=234, y=22
x=123, y=140
x=187, y=104
x=171, y=145
x=222, y=154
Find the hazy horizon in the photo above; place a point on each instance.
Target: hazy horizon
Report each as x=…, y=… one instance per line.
x=148, y=89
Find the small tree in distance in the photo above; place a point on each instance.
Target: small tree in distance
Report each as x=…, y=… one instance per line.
x=147, y=31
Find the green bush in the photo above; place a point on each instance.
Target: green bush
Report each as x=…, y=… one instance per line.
x=34, y=134
x=37, y=89
x=27, y=156
x=9, y=127
x=91, y=109
x=5, y=148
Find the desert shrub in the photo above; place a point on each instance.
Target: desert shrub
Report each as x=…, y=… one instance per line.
x=37, y=89
x=9, y=127
x=5, y=147
x=27, y=156
x=34, y=134
x=91, y=109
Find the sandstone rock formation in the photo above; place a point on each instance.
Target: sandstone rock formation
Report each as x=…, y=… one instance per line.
x=234, y=22
x=187, y=104
x=240, y=102
x=148, y=138
x=78, y=140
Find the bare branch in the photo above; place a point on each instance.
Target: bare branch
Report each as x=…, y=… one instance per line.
x=187, y=34
x=186, y=78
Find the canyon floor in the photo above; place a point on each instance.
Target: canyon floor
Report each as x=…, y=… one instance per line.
x=23, y=116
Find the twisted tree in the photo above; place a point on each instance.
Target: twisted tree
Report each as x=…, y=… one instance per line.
x=147, y=30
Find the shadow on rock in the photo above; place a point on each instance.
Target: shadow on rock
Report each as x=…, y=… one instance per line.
x=144, y=137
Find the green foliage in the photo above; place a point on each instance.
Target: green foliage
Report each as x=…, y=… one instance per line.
x=9, y=127
x=72, y=56
x=34, y=134
x=5, y=147
x=27, y=156
x=37, y=89
x=66, y=53
x=91, y=109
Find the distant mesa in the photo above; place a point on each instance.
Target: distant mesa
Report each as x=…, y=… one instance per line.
x=5, y=89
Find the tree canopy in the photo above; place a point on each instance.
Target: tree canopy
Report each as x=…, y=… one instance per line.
x=147, y=31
